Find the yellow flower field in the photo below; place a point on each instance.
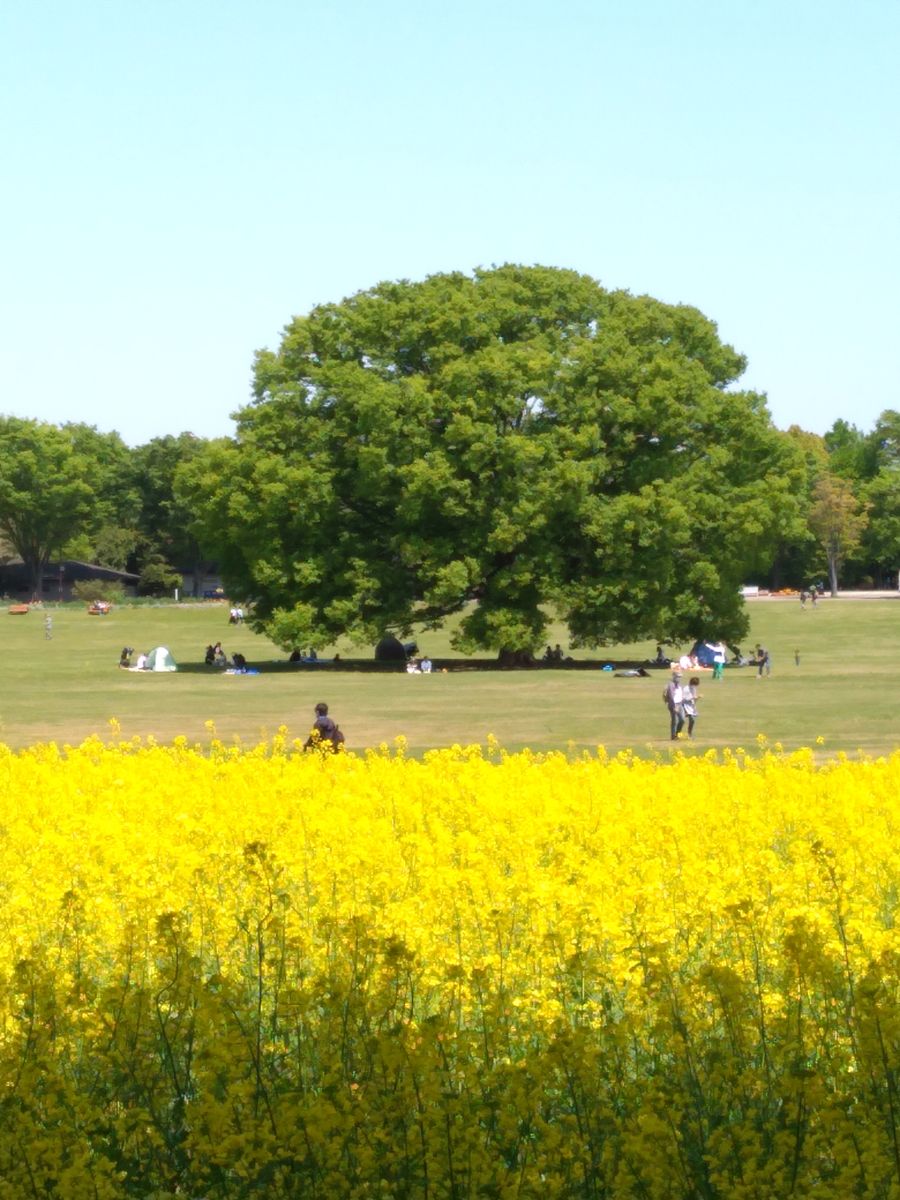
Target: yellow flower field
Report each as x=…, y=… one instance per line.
x=231, y=972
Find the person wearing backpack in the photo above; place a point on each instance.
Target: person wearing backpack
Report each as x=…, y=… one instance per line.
x=324, y=734
x=673, y=697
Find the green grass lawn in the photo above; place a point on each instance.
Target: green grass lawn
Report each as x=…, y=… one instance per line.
x=69, y=687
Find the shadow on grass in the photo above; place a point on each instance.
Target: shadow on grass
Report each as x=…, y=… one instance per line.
x=369, y=667
x=326, y=667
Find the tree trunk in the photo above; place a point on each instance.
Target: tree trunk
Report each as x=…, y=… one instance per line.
x=36, y=576
x=197, y=568
x=515, y=658
x=832, y=573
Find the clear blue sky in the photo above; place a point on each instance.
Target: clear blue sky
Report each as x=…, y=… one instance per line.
x=182, y=176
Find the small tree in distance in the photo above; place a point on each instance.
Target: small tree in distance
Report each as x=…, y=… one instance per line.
x=838, y=520
x=91, y=590
x=157, y=578
x=45, y=494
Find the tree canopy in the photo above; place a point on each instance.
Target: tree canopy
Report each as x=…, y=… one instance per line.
x=166, y=523
x=503, y=444
x=838, y=520
x=868, y=463
x=46, y=496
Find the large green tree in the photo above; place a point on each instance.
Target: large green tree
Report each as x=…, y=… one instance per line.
x=46, y=493
x=852, y=454
x=501, y=444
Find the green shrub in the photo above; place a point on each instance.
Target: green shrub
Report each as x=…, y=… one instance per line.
x=90, y=590
x=159, y=578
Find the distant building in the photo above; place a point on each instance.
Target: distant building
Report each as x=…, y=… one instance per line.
x=58, y=579
x=205, y=582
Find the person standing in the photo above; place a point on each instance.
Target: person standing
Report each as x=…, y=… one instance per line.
x=720, y=654
x=689, y=697
x=672, y=697
x=48, y=628
x=763, y=661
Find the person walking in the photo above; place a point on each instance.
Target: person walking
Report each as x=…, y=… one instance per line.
x=763, y=661
x=689, y=697
x=324, y=734
x=672, y=697
x=48, y=628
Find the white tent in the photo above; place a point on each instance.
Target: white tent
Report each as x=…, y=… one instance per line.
x=160, y=660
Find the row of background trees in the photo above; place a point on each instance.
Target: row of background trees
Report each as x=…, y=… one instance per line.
x=495, y=443
x=75, y=492
x=72, y=491
x=850, y=501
